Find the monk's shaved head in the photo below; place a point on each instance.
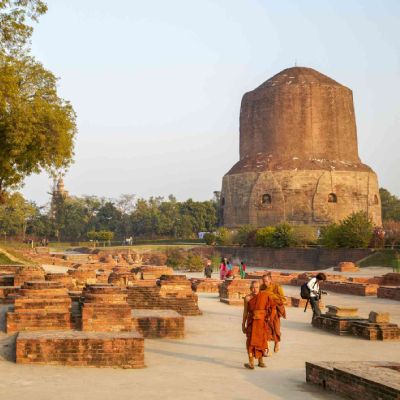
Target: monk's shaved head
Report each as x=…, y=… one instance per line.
x=254, y=283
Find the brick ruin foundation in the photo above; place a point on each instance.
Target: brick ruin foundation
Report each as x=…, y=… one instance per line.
x=205, y=285
x=346, y=267
x=357, y=380
x=344, y=321
x=172, y=292
x=166, y=324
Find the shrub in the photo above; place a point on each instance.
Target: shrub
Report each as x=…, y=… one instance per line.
x=330, y=236
x=251, y=239
x=392, y=231
x=282, y=237
x=224, y=237
x=242, y=234
x=193, y=262
x=209, y=238
x=356, y=230
x=263, y=236
x=175, y=258
x=303, y=235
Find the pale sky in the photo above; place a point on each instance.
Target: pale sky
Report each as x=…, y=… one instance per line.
x=157, y=84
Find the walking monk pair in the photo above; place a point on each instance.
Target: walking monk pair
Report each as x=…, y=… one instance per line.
x=276, y=292
x=259, y=310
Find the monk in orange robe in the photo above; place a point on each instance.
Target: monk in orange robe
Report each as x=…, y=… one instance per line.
x=258, y=309
x=276, y=292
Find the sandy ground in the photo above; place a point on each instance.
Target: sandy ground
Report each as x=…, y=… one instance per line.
x=208, y=363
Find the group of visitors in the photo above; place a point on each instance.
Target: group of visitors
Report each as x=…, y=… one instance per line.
x=226, y=269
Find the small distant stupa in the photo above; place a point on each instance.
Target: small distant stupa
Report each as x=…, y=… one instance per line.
x=56, y=194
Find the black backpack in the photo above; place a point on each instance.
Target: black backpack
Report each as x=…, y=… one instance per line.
x=305, y=291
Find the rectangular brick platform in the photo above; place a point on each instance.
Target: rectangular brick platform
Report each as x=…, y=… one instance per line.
x=338, y=325
x=389, y=292
x=357, y=380
x=159, y=324
x=205, y=285
x=88, y=349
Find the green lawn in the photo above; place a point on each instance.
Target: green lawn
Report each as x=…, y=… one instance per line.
x=4, y=260
x=382, y=258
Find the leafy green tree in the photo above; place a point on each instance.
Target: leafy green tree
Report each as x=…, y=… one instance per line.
x=105, y=236
x=242, y=233
x=356, y=230
x=175, y=258
x=193, y=262
x=282, y=237
x=304, y=234
x=263, y=236
x=209, y=238
x=14, y=30
x=390, y=205
x=330, y=236
x=37, y=128
x=224, y=237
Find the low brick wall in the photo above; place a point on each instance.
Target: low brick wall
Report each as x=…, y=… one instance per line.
x=356, y=380
x=88, y=349
x=389, y=292
x=159, y=324
x=298, y=259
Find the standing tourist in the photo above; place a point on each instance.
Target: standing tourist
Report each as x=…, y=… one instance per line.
x=223, y=269
x=276, y=292
x=259, y=308
x=242, y=270
x=230, y=270
x=315, y=293
x=208, y=270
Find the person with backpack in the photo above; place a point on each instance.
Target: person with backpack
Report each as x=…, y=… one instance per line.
x=315, y=293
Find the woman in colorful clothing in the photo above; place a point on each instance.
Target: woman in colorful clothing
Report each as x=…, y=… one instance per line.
x=242, y=270
x=223, y=269
x=230, y=270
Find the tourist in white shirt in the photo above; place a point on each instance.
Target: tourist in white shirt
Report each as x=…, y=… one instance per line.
x=313, y=285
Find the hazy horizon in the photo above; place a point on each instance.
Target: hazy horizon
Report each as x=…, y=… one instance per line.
x=157, y=86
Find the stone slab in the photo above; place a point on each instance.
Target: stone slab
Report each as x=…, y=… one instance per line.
x=342, y=311
x=379, y=317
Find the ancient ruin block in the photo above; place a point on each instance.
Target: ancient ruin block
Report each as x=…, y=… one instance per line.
x=357, y=380
x=173, y=294
x=81, y=277
x=102, y=277
x=122, y=278
x=205, y=285
x=342, y=311
x=234, y=289
x=8, y=294
x=63, y=278
x=40, y=306
x=389, y=292
x=159, y=324
x=28, y=273
x=379, y=317
x=299, y=159
x=154, y=270
x=341, y=326
x=74, y=348
x=104, y=309
x=346, y=267
x=375, y=331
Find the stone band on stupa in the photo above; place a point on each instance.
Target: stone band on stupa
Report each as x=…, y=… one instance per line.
x=299, y=158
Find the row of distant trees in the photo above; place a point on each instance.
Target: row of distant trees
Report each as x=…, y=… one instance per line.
x=126, y=216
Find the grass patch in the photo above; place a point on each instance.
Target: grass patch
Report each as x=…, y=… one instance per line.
x=4, y=260
x=20, y=258
x=382, y=258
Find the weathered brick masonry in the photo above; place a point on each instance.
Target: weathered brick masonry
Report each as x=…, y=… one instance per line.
x=165, y=324
x=88, y=349
x=357, y=380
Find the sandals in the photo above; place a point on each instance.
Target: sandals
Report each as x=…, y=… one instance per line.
x=249, y=366
x=262, y=365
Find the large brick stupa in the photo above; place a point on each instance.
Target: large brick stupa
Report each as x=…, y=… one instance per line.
x=298, y=156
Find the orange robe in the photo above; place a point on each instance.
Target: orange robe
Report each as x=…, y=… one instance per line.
x=260, y=309
x=276, y=292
